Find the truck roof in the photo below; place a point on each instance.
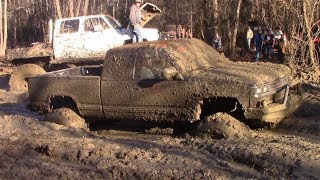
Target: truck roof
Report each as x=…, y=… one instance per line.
x=81, y=17
x=187, y=53
x=195, y=58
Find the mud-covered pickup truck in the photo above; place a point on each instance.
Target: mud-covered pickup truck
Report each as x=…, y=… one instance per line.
x=174, y=80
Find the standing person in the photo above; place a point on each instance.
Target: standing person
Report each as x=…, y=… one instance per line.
x=135, y=20
x=217, y=42
x=278, y=33
x=258, y=40
x=269, y=42
x=249, y=36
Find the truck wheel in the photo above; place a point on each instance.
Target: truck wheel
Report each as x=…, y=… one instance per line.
x=222, y=125
x=66, y=117
x=18, y=77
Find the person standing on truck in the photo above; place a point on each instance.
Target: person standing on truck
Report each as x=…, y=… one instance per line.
x=135, y=20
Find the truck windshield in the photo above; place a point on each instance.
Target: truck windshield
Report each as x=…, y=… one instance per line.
x=114, y=23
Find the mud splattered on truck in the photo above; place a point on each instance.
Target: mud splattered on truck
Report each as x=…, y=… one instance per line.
x=175, y=80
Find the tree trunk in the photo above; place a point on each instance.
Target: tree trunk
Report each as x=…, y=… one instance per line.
x=191, y=22
x=177, y=17
x=215, y=15
x=308, y=21
x=1, y=33
x=236, y=26
x=85, y=8
x=58, y=8
x=3, y=28
x=78, y=8
x=71, y=8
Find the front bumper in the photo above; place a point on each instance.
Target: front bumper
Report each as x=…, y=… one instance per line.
x=275, y=112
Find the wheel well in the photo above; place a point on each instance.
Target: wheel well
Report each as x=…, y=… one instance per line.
x=57, y=102
x=228, y=105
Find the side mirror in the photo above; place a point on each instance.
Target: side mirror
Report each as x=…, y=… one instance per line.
x=172, y=73
x=169, y=73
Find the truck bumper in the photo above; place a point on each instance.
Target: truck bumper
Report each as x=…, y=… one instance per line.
x=274, y=113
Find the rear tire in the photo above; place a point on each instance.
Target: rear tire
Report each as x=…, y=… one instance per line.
x=66, y=117
x=18, y=77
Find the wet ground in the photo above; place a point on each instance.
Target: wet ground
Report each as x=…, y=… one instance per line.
x=32, y=148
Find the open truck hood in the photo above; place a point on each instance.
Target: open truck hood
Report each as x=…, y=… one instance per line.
x=149, y=11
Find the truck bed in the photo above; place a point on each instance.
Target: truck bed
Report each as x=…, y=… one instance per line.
x=77, y=71
x=82, y=84
x=37, y=50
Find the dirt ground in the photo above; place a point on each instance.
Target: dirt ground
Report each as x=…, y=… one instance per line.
x=33, y=148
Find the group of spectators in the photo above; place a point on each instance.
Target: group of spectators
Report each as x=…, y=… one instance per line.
x=266, y=41
x=263, y=42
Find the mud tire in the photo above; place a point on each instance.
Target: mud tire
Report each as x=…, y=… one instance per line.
x=222, y=125
x=66, y=117
x=18, y=77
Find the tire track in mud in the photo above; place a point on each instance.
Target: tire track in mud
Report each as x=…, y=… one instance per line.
x=270, y=153
x=18, y=109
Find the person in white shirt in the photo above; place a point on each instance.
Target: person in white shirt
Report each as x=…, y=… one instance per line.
x=249, y=37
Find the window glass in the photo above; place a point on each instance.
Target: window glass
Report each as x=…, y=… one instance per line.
x=69, y=26
x=114, y=23
x=95, y=24
x=150, y=68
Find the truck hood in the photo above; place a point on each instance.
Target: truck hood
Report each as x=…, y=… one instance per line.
x=244, y=72
x=148, y=12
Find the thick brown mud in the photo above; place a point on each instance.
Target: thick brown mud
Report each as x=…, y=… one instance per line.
x=33, y=148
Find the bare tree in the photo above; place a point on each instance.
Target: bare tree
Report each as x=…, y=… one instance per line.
x=309, y=8
x=85, y=7
x=236, y=26
x=71, y=8
x=58, y=8
x=3, y=27
x=78, y=8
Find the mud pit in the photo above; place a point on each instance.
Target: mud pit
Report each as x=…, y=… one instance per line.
x=32, y=148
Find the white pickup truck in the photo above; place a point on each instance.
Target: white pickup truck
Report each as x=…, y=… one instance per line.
x=82, y=39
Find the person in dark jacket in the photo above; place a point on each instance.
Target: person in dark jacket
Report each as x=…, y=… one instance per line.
x=269, y=44
x=135, y=20
x=258, y=40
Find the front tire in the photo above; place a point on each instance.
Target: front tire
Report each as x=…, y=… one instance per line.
x=222, y=125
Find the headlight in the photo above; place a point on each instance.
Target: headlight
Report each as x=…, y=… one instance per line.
x=258, y=90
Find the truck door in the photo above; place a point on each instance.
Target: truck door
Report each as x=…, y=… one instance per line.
x=137, y=87
x=66, y=37
x=150, y=90
x=95, y=45
x=100, y=35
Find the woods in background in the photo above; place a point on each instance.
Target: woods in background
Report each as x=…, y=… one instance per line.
x=25, y=21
